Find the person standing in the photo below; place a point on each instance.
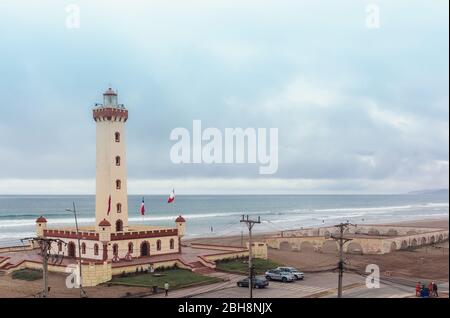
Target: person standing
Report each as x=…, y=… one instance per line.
x=418, y=289
x=166, y=288
x=435, y=289
x=430, y=289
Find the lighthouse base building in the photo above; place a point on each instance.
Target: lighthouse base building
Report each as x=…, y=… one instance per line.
x=112, y=246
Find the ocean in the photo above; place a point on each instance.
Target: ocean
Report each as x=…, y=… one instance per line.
x=215, y=215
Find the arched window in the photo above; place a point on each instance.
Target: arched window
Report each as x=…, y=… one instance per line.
x=118, y=184
x=117, y=136
x=172, y=244
x=96, y=249
x=119, y=226
x=119, y=207
x=59, y=246
x=117, y=160
x=158, y=245
x=83, y=248
x=130, y=247
x=115, y=250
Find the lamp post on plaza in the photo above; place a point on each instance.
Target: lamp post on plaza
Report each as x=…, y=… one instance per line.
x=74, y=211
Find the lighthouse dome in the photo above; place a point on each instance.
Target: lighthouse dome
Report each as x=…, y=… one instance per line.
x=110, y=98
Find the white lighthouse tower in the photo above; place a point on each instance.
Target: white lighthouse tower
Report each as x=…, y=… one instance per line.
x=111, y=201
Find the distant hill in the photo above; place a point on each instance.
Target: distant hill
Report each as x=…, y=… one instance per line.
x=435, y=191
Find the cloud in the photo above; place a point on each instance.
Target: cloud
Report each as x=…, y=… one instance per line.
x=357, y=110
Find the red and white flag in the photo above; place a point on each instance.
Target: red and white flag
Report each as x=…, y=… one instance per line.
x=142, y=207
x=109, y=205
x=171, y=197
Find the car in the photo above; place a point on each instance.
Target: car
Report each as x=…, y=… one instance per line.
x=276, y=274
x=258, y=282
x=298, y=275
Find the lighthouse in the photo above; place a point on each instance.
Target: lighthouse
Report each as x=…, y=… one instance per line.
x=111, y=201
x=112, y=239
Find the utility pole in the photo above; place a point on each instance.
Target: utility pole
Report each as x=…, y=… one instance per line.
x=341, y=240
x=74, y=211
x=250, y=223
x=45, y=244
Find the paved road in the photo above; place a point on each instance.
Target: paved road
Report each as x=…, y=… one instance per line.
x=314, y=285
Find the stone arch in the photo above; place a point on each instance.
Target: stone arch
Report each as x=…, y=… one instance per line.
x=393, y=246
x=354, y=248
x=285, y=246
x=404, y=245
x=145, y=248
x=432, y=239
x=330, y=246
x=392, y=232
x=306, y=246
x=71, y=250
x=414, y=243
x=373, y=231
x=423, y=241
x=440, y=238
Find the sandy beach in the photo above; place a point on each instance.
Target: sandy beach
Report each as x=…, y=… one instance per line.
x=424, y=263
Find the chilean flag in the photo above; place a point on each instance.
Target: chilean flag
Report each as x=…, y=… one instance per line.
x=171, y=197
x=142, y=207
x=109, y=205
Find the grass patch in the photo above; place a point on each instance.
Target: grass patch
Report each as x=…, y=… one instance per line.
x=27, y=274
x=177, y=278
x=240, y=265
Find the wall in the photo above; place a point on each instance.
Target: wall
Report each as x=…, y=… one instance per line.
x=122, y=246
x=259, y=250
x=369, y=245
x=94, y=274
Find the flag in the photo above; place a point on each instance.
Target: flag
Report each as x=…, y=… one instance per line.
x=109, y=205
x=142, y=207
x=171, y=197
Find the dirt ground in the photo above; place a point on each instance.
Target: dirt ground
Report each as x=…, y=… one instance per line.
x=15, y=288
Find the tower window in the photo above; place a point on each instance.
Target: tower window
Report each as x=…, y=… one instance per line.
x=172, y=244
x=96, y=249
x=117, y=136
x=130, y=247
x=119, y=207
x=83, y=248
x=118, y=184
x=119, y=226
x=59, y=247
x=117, y=161
x=158, y=245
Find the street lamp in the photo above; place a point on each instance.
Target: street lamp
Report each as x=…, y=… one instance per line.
x=74, y=211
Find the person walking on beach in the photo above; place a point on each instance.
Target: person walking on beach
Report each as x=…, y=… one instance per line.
x=418, y=289
x=435, y=290
x=166, y=288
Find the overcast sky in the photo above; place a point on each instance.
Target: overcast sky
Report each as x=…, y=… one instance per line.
x=358, y=110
